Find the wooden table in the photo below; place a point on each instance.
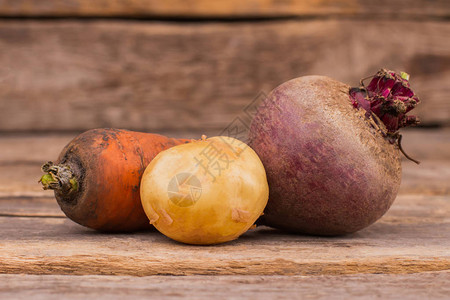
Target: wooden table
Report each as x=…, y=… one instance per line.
x=187, y=68
x=405, y=254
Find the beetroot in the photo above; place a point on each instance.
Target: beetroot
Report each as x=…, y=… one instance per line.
x=331, y=152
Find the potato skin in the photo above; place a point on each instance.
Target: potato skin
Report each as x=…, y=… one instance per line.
x=108, y=164
x=227, y=203
x=329, y=171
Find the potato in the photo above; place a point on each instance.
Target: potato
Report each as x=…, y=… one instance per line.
x=206, y=192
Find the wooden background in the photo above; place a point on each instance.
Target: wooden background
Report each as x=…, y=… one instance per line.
x=186, y=68
x=165, y=66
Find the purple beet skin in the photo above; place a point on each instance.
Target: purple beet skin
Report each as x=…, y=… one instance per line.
x=331, y=152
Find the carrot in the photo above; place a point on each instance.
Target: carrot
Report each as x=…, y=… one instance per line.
x=96, y=178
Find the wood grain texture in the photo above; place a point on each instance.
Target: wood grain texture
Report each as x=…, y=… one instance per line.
x=431, y=285
x=413, y=237
x=73, y=75
x=228, y=8
x=40, y=207
x=22, y=156
x=424, y=144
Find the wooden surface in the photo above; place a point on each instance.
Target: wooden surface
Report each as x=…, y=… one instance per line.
x=22, y=155
x=222, y=8
x=428, y=285
x=412, y=238
x=405, y=255
x=72, y=75
x=186, y=68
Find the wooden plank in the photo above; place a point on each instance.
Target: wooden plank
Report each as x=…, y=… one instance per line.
x=431, y=177
x=31, y=149
x=408, y=208
x=426, y=144
x=73, y=75
x=432, y=285
x=59, y=246
x=228, y=9
x=34, y=149
x=35, y=238
x=41, y=207
x=21, y=180
x=21, y=157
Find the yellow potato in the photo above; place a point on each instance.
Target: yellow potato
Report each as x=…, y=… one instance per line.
x=205, y=192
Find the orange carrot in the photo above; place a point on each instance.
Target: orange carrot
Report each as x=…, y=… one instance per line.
x=97, y=176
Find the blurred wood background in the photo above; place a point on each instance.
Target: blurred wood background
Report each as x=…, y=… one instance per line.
x=186, y=68
x=164, y=66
